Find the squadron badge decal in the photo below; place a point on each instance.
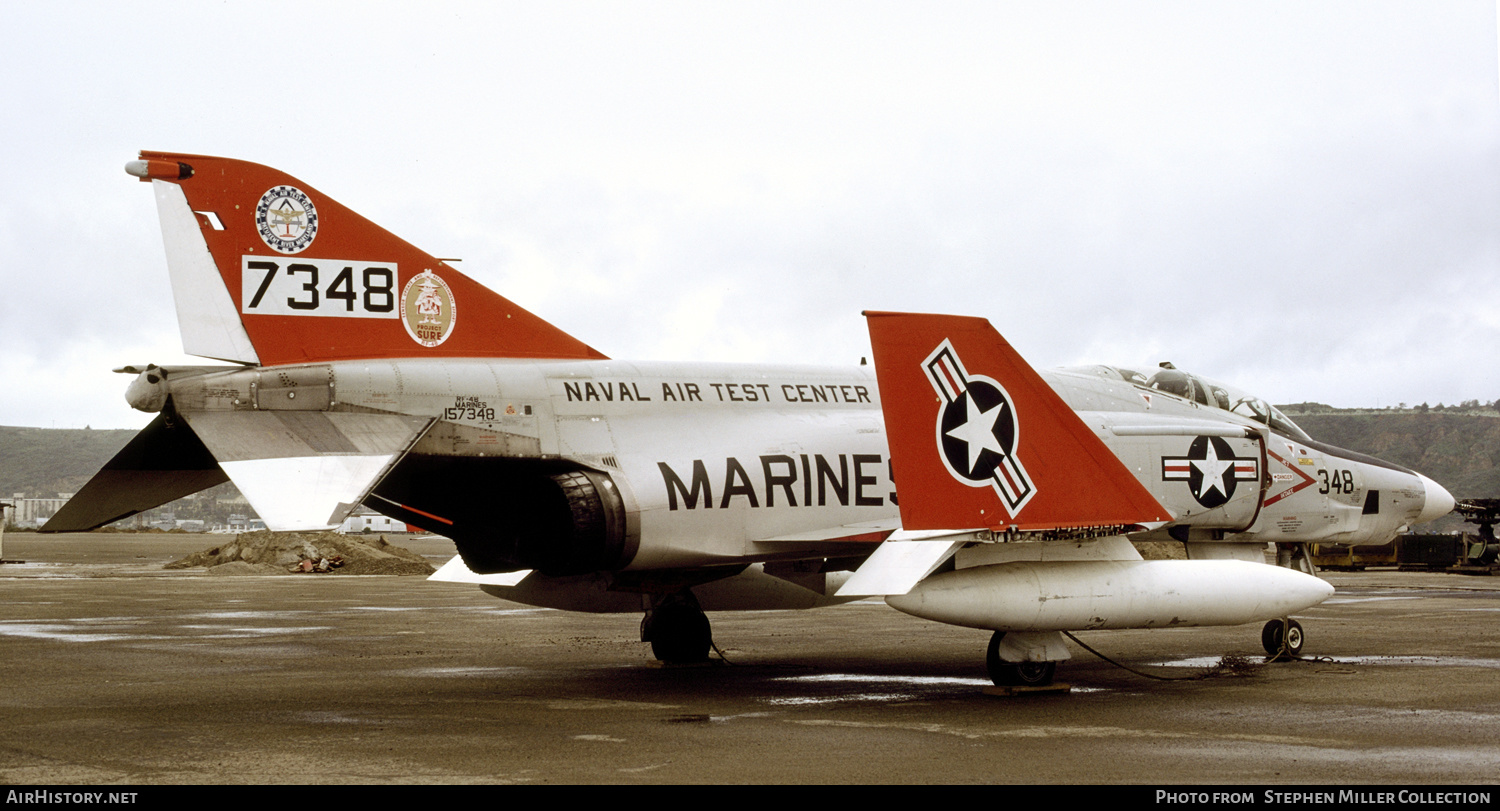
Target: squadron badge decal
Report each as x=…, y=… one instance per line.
x=977, y=430
x=287, y=219
x=427, y=309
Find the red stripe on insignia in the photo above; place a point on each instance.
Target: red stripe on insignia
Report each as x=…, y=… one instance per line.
x=1006, y=480
x=951, y=375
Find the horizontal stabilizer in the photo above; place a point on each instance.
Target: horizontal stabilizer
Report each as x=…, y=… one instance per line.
x=305, y=470
x=163, y=463
x=979, y=440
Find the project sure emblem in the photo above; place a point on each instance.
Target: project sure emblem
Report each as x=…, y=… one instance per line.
x=287, y=219
x=428, y=310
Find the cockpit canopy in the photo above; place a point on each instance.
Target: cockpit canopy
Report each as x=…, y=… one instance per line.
x=1205, y=392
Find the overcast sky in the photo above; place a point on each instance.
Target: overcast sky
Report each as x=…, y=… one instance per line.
x=1301, y=199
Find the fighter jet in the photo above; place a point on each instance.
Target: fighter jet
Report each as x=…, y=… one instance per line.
x=953, y=480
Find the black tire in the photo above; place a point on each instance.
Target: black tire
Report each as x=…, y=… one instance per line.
x=679, y=633
x=1270, y=637
x=1016, y=674
x=1282, y=636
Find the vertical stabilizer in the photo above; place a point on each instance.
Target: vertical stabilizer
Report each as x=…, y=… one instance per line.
x=267, y=269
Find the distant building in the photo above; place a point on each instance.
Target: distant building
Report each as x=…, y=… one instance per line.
x=239, y=522
x=33, y=512
x=365, y=520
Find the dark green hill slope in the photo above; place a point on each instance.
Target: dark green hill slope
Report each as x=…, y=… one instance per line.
x=1459, y=451
x=42, y=462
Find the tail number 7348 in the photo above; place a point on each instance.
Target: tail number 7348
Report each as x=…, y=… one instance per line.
x=299, y=288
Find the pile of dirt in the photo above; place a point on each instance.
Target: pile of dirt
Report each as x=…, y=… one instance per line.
x=292, y=552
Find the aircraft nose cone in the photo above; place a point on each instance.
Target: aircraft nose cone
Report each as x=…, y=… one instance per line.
x=1438, y=503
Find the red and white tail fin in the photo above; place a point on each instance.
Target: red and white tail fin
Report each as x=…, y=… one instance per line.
x=266, y=269
x=979, y=440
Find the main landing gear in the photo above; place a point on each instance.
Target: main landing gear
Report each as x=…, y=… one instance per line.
x=678, y=629
x=1016, y=674
x=1282, y=638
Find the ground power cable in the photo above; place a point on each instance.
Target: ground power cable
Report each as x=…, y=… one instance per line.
x=1228, y=663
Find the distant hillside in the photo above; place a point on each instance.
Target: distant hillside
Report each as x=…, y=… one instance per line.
x=42, y=462
x=1460, y=452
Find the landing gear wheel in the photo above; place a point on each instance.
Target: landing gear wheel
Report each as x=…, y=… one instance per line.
x=1282, y=637
x=679, y=633
x=1016, y=674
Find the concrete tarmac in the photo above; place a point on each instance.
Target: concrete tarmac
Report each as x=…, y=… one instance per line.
x=114, y=671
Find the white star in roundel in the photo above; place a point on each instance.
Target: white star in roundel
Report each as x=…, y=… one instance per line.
x=978, y=431
x=1212, y=470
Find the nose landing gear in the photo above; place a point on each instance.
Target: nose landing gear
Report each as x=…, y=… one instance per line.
x=1282, y=639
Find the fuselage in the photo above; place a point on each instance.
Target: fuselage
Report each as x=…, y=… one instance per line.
x=650, y=466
